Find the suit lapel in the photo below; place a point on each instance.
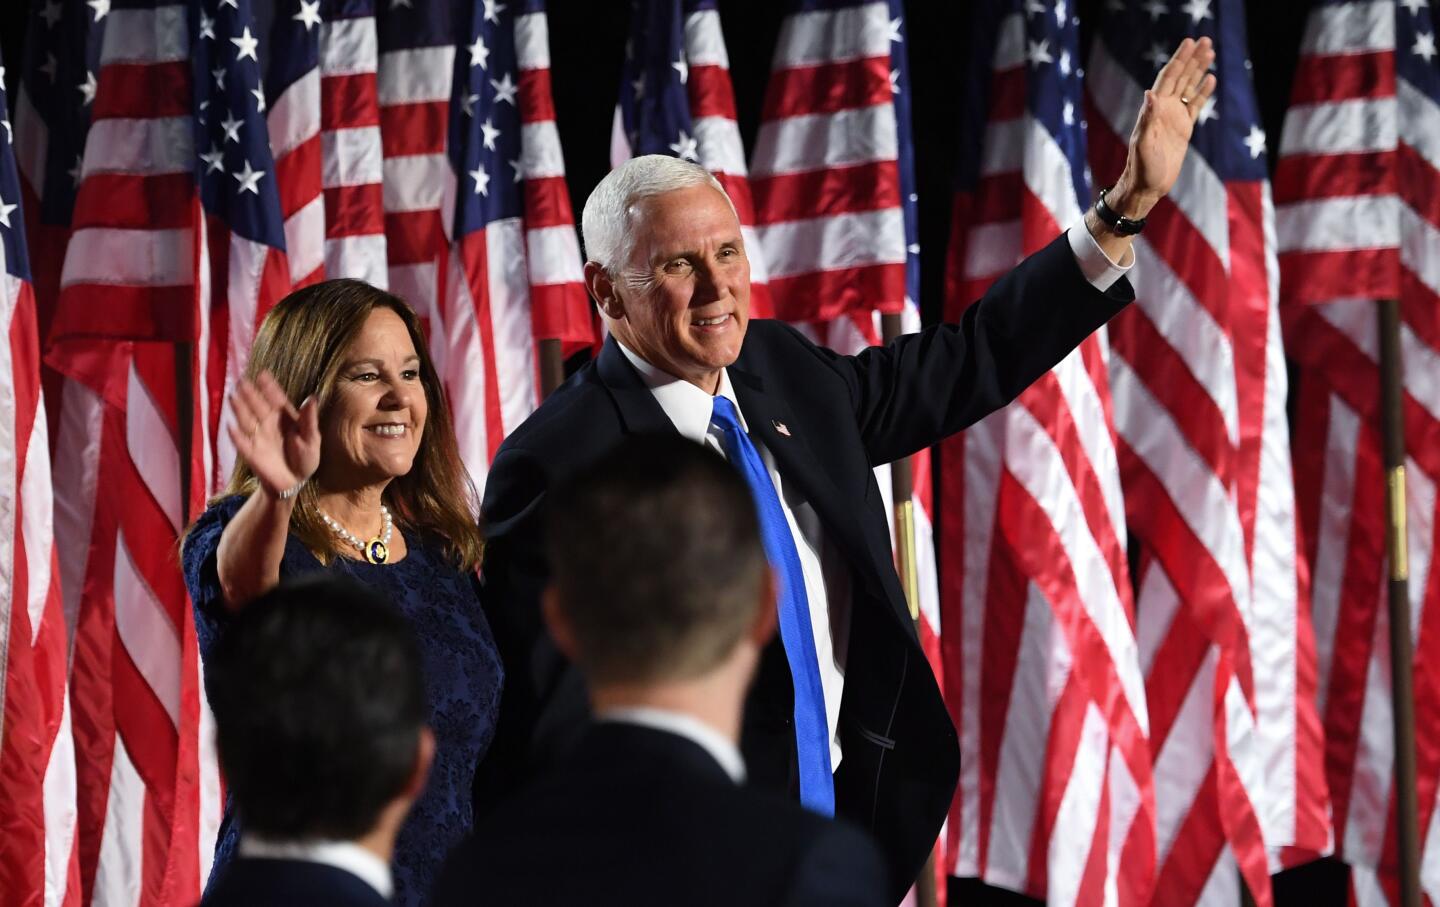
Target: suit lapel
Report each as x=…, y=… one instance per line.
x=638, y=408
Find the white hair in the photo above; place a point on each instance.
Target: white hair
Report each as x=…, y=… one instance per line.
x=605, y=222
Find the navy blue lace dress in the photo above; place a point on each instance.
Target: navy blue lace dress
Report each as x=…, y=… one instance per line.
x=463, y=676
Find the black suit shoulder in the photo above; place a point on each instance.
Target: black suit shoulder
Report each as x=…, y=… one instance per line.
x=250, y=882
x=640, y=820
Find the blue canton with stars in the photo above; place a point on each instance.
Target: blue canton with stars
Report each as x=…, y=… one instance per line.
x=1142, y=34
x=1416, y=59
x=59, y=72
x=909, y=198
x=12, y=221
x=654, y=106
x=485, y=146
x=1053, y=83
x=234, y=166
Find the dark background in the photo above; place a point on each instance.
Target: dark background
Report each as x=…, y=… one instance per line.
x=587, y=38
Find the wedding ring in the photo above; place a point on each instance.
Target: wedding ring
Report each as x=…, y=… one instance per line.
x=1185, y=101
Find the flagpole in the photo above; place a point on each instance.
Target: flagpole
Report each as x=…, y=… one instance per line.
x=1402, y=657
x=902, y=487
x=552, y=367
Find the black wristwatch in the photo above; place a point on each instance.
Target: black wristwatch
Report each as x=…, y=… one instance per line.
x=1114, y=220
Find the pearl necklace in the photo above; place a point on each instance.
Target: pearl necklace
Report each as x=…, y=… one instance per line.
x=377, y=550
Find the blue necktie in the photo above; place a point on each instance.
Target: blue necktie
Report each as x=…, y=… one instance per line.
x=812, y=736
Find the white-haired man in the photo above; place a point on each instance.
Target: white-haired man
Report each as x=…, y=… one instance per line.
x=844, y=714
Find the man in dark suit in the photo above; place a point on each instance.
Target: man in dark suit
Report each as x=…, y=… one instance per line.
x=662, y=597
x=320, y=711
x=845, y=714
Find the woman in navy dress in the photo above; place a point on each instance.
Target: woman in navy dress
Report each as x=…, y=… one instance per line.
x=363, y=478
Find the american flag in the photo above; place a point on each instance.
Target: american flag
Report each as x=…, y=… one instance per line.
x=244, y=269
x=38, y=844
x=478, y=219
x=1357, y=221
x=676, y=99
x=148, y=785
x=324, y=121
x=51, y=121
x=834, y=184
x=832, y=172
x=1198, y=381
x=1042, y=666
x=514, y=236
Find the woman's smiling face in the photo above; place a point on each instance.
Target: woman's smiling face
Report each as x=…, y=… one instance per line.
x=376, y=415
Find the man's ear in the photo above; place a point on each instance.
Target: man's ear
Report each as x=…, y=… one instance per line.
x=763, y=627
x=602, y=290
x=556, y=621
x=425, y=754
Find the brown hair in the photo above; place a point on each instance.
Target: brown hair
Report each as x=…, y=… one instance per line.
x=657, y=560
x=301, y=343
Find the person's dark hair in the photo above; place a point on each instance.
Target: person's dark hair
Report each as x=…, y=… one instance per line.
x=319, y=704
x=656, y=555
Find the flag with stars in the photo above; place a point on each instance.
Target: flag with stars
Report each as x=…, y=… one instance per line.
x=246, y=269
x=39, y=853
x=514, y=274
x=1357, y=221
x=324, y=121
x=52, y=116
x=1199, y=388
x=676, y=98
x=129, y=333
x=1042, y=665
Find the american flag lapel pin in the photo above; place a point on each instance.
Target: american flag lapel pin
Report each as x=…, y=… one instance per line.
x=780, y=427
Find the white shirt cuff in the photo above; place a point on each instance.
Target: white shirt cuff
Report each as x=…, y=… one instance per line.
x=1094, y=263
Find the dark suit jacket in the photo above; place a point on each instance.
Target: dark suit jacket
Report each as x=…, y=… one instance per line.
x=638, y=816
x=250, y=882
x=844, y=415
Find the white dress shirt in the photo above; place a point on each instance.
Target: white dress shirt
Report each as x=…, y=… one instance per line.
x=344, y=855
x=827, y=587
x=720, y=747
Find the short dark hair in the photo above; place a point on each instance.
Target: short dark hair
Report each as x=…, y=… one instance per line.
x=319, y=703
x=656, y=554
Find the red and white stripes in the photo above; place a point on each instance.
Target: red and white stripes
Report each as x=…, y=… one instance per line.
x=1362, y=141
x=717, y=137
x=825, y=172
x=1042, y=666
x=351, y=170
x=38, y=840
x=148, y=794
x=559, y=303
x=1199, y=392
x=414, y=86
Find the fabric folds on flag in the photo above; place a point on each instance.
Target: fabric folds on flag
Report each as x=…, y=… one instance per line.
x=514, y=274
x=246, y=268
x=1357, y=222
x=1199, y=387
x=676, y=98
x=39, y=857
x=129, y=330
x=1042, y=666
x=828, y=169
x=324, y=122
